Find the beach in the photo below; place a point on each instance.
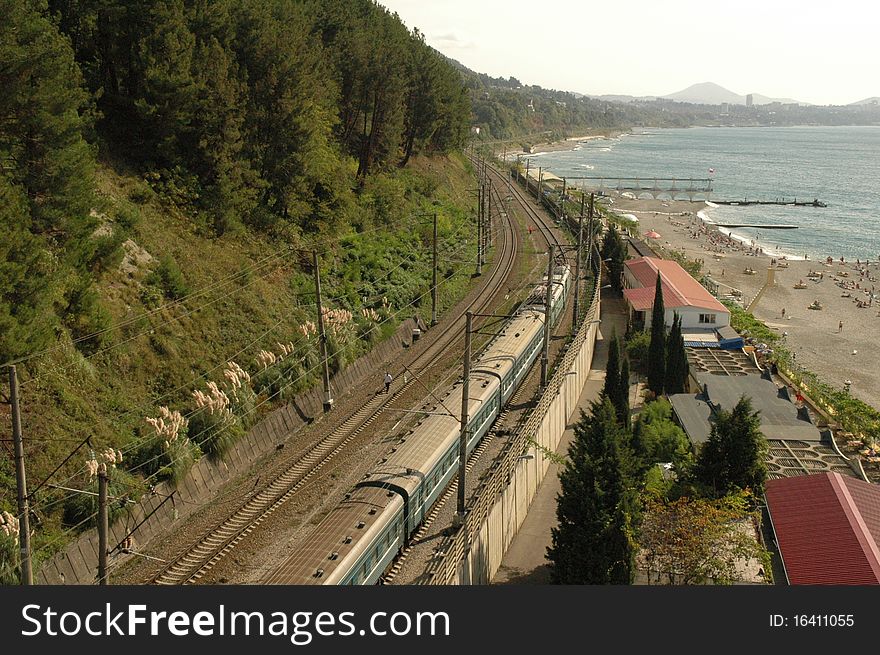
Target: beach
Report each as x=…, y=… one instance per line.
x=843, y=288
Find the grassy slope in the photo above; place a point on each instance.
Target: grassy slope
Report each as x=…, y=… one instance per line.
x=106, y=396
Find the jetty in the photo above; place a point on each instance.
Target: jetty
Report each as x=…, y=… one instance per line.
x=755, y=225
x=793, y=203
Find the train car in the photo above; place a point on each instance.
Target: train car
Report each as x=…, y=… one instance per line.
x=359, y=538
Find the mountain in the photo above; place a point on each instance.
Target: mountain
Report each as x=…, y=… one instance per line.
x=709, y=93
x=875, y=100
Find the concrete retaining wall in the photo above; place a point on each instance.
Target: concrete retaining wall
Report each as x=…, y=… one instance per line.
x=78, y=562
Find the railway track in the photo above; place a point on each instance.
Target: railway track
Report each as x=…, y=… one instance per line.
x=548, y=231
x=198, y=559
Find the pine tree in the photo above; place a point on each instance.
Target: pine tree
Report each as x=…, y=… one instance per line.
x=657, y=348
x=25, y=301
x=592, y=543
x=734, y=456
x=43, y=110
x=676, y=359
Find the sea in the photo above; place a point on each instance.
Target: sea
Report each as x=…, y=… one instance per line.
x=838, y=165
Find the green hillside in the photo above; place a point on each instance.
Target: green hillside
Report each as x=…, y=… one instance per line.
x=166, y=169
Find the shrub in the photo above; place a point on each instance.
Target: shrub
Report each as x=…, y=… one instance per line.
x=215, y=433
x=86, y=318
x=637, y=346
x=168, y=277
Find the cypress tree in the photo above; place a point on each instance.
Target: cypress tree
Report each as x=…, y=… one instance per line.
x=621, y=402
x=657, y=348
x=612, y=369
x=592, y=543
x=676, y=359
x=616, y=387
x=614, y=250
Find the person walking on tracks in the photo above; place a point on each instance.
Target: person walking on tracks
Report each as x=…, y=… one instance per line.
x=388, y=380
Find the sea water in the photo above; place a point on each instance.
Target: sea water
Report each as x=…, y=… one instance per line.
x=837, y=165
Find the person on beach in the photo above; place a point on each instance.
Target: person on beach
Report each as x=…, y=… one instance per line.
x=840, y=327
x=783, y=312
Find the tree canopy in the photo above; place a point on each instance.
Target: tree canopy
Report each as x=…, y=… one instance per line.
x=734, y=456
x=593, y=542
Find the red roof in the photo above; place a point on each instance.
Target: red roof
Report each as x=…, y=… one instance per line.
x=827, y=527
x=679, y=288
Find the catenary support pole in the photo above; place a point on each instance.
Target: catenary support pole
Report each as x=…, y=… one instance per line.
x=463, y=431
x=24, y=529
x=103, y=524
x=577, y=270
x=590, y=232
x=545, y=352
x=322, y=336
x=434, y=278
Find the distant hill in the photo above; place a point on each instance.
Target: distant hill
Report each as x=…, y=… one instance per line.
x=875, y=100
x=709, y=93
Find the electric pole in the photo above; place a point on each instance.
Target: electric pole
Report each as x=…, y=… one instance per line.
x=528, y=163
x=24, y=527
x=562, y=200
x=480, y=230
x=103, y=524
x=434, y=278
x=577, y=269
x=322, y=336
x=591, y=233
x=463, y=431
x=545, y=352
x=540, y=179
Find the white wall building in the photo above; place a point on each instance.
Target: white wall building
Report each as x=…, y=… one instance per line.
x=682, y=295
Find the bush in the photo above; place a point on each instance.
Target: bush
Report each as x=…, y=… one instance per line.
x=215, y=433
x=168, y=277
x=637, y=346
x=106, y=251
x=86, y=318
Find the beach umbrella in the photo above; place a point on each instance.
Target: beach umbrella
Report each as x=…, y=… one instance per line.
x=651, y=234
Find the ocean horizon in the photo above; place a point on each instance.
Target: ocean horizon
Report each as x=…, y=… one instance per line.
x=837, y=165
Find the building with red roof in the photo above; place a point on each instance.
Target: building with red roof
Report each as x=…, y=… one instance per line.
x=682, y=295
x=827, y=528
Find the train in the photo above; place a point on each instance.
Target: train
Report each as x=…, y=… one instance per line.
x=359, y=538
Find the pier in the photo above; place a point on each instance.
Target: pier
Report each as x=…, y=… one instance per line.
x=763, y=227
x=653, y=186
x=793, y=203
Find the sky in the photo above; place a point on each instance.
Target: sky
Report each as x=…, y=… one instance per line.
x=811, y=51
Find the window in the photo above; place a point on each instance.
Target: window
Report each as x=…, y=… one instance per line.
x=707, y=318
